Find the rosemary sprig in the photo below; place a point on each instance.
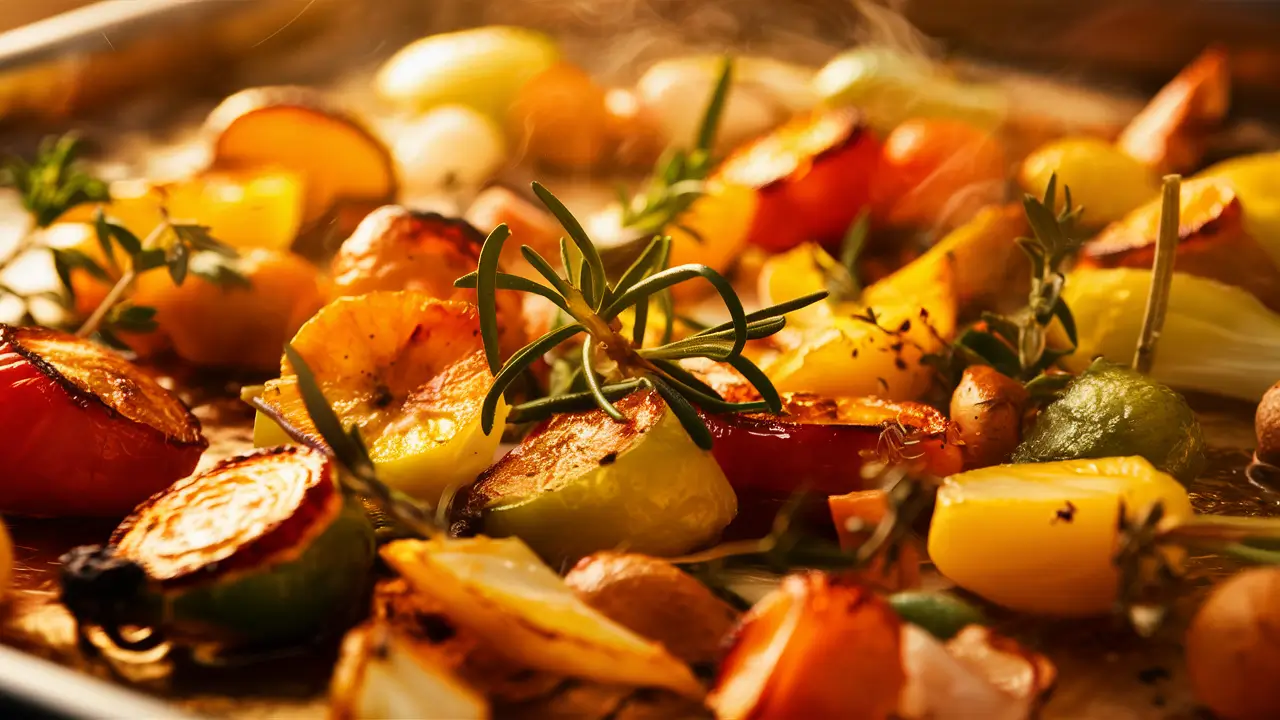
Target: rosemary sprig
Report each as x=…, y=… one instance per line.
x=345, y=445
x=1161, y=274
x=1017, y=344
x=677, y=180
x=613, y=365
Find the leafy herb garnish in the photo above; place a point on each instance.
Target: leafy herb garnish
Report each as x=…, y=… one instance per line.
x=842, y=279
x=614, y=366
x=53, y=183
x=1017, y=344
x=177, y=247
x=677, y=180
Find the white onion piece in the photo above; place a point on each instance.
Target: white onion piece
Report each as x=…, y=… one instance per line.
x=449, y=148
x=941, y=686
x=676, y=93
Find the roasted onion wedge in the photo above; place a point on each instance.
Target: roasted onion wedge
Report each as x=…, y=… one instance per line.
x=82, y=431
x=398, y=249
x=301, y=130
x=409, y=371
x=262, y=548
x=582, y=482
x=812, y=175
x=384, y=674
x=502, y=593
x=817, y=647
x=1213, y=241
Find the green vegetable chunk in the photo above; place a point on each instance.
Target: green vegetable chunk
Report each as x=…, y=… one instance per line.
x=942, y=614
x=1112, y=411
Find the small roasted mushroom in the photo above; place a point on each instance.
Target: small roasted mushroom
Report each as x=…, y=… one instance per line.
x=1267, y=425
x=657, y=600
x=987, y=410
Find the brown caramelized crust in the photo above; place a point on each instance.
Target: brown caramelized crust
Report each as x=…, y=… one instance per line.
x=94, y=375
x=395, y=248
x=245, y=511
x=565, y=447
x=1213, y=241
x=791, y=149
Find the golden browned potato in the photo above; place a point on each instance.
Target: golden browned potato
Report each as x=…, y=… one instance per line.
x=1267, y=425
x=656, y=600
x=399, y=249
x=987, y=410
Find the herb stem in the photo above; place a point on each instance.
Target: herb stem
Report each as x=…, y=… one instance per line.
x=122, y=285
x=1161, y=275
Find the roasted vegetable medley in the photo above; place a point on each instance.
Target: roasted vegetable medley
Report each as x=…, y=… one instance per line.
x=860, y=329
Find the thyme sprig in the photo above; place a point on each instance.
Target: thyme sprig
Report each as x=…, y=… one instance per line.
x=678, y=178
x=179, y=248
x=614, y=366
x=1017, y=344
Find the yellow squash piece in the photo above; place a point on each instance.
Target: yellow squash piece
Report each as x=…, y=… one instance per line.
x=850, y=356
x=500, y=591
x=244, y=209
x=1103, y=179
x=1256, y=180
x=406, y=369
x=1040, y=538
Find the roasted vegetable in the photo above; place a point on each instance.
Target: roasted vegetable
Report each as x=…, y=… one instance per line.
x=1107, y=183
x=384, y=674
x=1171, y=131
x=530, y=224
x=1213, y=241
x=655, y=600
x=987, y=409
x=559, y=117
x=818, y=646
x=6, y=560
x=937, y=173
x=500, y=591
x=583, y=482
x=450, y=149
x=284, y=126
x=892, y=87
x=1112, y=411
x=1232, y=657
x=765, y=93
x=877, y=349
x=1266, y=425
x=240, y=324
x=285, y=565
x=246, y=208
x=1041, y=538
x=84, y=432
x=394, y=248
x=1254, y=180
x=942, y=614
x=408, y=371
x=975, y=674
x=481, y=67
x=821, y=445
x=1216, y=338
x=813, y=176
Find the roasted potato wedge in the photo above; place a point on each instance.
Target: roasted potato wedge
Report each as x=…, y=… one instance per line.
x=1169, y=134
x=504, y=594
x=582, y=482
x=1213, y=241
x=409, y=371
x=301, y=130
x=84, y=432
x=656, y=600
x=398, y=249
